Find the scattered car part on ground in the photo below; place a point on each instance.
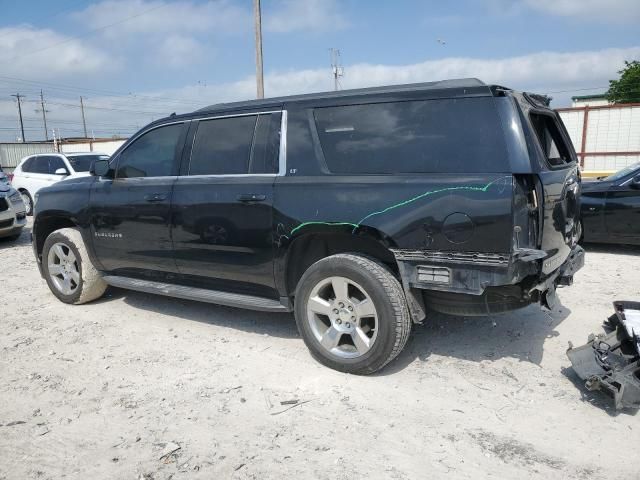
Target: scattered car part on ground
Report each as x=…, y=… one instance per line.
x=610, y=207
x=610, y=362
x=317, y=204
x=42, y=170
x=12, y=212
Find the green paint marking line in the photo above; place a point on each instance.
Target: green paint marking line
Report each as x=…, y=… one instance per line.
x=331, y=224
x=397, y=205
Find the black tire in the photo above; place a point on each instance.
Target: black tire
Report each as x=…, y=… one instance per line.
x=28, y=202
x=90, y=285
x=385, y=291
x=472, y=305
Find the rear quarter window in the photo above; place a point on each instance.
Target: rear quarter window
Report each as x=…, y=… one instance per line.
x=550, y=139
x=427, y=136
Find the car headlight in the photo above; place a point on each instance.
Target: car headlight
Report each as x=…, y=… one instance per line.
x=16, y=197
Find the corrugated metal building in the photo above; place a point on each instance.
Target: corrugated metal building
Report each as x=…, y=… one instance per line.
x=12, y=153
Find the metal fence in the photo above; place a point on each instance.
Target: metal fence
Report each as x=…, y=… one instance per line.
x=12, y=153
x=606, y=137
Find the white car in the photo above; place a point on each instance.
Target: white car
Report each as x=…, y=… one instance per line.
x=38, y=171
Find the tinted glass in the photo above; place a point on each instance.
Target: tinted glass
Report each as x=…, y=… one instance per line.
x=266, y=144
x=26, y=166
x=83, y=163
x=222, y=146
x=151, y=155
x=628, y=170
x=39, y=165
x=550, y=139
x=448, y=136
x=55, y=163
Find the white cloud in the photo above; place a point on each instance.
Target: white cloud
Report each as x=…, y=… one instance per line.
x=293, y=15
x=543, y=72
x=161, y=17
x=52, y=54
x=178, y=50
x=616, y=11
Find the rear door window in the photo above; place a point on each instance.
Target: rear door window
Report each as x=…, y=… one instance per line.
x=39, y=165
x=550, y=139
x=266, y=144
x=222, y=146
x=430, y=136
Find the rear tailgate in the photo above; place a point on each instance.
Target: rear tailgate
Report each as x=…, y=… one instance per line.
x=560, y=184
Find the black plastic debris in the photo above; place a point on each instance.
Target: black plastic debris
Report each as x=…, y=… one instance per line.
x=610, y=362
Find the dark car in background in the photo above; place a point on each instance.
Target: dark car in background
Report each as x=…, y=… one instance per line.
x=611, y=208
x=4, y=178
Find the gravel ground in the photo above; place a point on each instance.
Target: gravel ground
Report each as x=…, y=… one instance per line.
x=136, y=386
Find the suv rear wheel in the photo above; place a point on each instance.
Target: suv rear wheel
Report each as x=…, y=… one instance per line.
x=68, y=270
x=352, y=313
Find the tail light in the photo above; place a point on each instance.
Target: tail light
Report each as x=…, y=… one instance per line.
x=10, y=177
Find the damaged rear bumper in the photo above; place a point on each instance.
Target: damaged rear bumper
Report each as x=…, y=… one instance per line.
x=611, y=362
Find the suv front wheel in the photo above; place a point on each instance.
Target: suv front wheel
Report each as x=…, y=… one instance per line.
x=352, y=313
x=68, y=270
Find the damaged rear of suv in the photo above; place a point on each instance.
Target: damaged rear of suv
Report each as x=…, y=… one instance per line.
x=359, y=210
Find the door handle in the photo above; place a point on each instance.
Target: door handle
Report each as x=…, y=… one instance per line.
x=251, y=197
x=155, y=197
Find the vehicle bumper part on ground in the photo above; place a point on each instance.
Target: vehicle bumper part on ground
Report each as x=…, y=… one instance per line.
x=610, y=362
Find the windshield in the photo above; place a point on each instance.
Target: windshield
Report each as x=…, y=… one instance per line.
x=83, y=163
x=622, y=173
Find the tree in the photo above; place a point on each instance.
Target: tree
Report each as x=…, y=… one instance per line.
x=627, y=88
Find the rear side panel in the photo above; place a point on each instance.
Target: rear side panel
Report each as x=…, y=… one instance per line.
x=437, y=212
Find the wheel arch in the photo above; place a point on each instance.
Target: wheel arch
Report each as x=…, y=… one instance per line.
x=307, y=248
x=45, y=225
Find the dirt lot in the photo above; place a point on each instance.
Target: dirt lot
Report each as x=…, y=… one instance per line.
x=144, y=387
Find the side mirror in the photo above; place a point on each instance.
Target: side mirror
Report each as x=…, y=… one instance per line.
x=100, y=168
x=62, y=171
x=635, y=182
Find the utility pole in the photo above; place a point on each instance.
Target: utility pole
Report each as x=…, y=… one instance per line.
x=84, y=123
x=336, y=69
x=258, y=32
x=19, y=98
x=44, y=116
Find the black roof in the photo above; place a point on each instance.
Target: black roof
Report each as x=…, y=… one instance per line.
x=455, y=87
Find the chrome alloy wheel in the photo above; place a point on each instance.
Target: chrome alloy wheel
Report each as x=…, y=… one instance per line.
x=63, y=268
x=342, y=317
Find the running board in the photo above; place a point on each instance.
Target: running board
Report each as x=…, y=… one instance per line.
x=198, y=294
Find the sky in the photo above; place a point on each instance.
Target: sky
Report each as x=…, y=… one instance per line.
x=133, y=61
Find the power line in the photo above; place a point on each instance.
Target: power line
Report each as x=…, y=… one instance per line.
x=49, y=17
x=107, y=93
x=86, y=34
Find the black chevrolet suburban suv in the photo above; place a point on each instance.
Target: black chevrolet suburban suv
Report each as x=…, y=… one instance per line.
x=359, y=210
